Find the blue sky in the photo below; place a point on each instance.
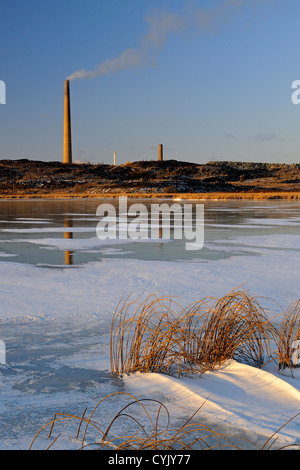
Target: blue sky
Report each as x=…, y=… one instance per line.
x=210, y=80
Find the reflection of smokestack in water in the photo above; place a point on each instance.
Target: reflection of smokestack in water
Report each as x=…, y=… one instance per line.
x=68, y=224
x=69, y=258
x=67, y=126
x=67, y=234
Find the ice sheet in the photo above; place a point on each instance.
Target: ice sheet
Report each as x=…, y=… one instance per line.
x=55, y=322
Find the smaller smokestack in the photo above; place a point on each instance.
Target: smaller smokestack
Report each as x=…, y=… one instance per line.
x=160, y=152
x=67, y=126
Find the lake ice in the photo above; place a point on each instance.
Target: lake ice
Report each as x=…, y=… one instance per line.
x=58, y=294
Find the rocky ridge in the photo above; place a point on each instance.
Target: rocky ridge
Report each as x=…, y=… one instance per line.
x=25, y=177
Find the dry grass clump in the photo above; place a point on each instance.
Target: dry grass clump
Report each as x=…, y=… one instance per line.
x=233, y=327
x=163, y=337
x=146, y=342
x=147, y=424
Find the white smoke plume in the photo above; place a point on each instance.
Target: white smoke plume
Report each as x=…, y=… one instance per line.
x=128, y=59
x=161, y=24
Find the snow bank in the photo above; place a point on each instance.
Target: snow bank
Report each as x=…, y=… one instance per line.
x=238, y=399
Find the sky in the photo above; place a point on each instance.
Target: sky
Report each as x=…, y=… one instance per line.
x=208, y=79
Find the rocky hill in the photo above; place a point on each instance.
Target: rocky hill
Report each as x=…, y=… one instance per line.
x=26, y=177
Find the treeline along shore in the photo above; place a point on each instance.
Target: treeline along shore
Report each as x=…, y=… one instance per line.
x=26, y=178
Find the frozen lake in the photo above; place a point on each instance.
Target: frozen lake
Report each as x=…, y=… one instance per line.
x=60, y=285
x=56, y=233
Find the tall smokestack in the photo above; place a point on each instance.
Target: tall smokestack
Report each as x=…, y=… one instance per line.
x=67, y=126
x=160, y=152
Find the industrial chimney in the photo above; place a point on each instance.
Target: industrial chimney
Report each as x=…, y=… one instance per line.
x=67, y=126
x=160, y=152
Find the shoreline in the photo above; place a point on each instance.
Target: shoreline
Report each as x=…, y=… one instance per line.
x=239, y=195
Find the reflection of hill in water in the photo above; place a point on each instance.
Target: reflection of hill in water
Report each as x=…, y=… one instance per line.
x=56, y=233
